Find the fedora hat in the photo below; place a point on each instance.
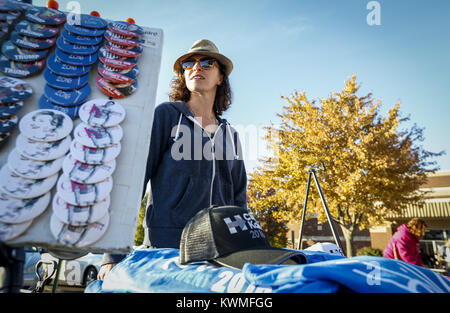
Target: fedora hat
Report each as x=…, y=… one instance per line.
x=207, y=48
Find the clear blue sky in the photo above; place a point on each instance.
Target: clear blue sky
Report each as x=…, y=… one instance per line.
x=313, y=46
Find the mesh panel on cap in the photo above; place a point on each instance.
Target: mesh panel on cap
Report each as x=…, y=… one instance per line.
x=197, y=242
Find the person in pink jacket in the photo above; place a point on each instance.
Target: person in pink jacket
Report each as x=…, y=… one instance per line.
x=405, y=243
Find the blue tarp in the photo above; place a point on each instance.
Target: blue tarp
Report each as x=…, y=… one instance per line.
x=158, y=270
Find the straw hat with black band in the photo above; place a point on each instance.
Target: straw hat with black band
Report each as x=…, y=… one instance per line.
x=207, y=48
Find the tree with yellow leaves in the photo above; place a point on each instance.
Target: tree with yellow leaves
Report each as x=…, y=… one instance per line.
x=366, y=165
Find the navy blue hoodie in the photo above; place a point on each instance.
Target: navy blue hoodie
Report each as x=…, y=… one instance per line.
x=189, y=170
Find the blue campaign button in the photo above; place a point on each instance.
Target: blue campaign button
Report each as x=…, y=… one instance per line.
x=71, y=48
x=20, y=69
x=8, y=123
x=78, y=60
x=8, y=109
x=14, y=90
x=87, y=21
x=63, y=69
x=67, y=97
x=65, y=83
x=81, y=40
x=32, y=43
x=46, y=16
x=72, y=111
x=27, y=28
x=83, y=31
x=12, y=52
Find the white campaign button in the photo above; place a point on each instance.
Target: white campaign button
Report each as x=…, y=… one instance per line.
x=78, y=236
x=46, y=125
x=32, y=169
x=86, y=173
x=83, y=194
x=10, y=231
x=102, y=113
x=94, y=155
x=97, y=137
x=16, y=211
x=79, y=215
x=23, y=188
x=40, y=150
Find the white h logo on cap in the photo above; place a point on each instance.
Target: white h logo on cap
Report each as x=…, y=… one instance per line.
x=239, y=222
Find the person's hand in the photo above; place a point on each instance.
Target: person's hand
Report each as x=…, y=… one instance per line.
x=104, y=269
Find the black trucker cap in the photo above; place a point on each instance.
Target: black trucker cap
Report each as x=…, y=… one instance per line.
x=230, y=236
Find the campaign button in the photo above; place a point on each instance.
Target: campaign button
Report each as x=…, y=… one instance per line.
x=23, y=188
x=117, y=63
x=20, y=69
x=131, y=73
x=102, y=113
x=13, y=6
x=138, y=49
x=74, y=59
x=9, y=15
x=4, y=136
x=71, y=111
x=27, y=28
x=121, y=52
x=121, y=40
x=87, y=173
x=46, y=16
x=81, y=40
x=126, y=29
x=15, y=211
x=71, y=48
x=116, y=90
x=114, y=77
x=46, y=125
x=83, y=194
x=107, y=88
x=67, y=97
x=8, y=109
x=78, y=236
x=84, y=31
x=11, y=231
x=42, y=151
x=8, y=123
x=63, y=69
x=77, y=215
x=13, y=90
x=86, y=21
x=15, y=53
x=105, y=53
x=33, y=169
x=97, y=137
x=94, y=155
x=32, y=43
x=65, y=83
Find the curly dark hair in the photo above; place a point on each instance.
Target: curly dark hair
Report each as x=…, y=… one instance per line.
x=417, y=227
x=222, y=102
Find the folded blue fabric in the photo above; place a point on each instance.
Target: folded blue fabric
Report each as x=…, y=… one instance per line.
x=158, y=270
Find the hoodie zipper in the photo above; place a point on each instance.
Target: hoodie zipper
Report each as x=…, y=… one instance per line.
x=213, y=156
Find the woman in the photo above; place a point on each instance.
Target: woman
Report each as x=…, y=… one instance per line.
x=405, y=243
x=194, y=158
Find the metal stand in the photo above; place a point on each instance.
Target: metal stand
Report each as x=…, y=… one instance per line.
x=330, y=218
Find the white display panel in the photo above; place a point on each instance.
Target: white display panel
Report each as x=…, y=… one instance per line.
x=129, y=174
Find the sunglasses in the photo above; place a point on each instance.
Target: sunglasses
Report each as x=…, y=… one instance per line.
x=205, y=64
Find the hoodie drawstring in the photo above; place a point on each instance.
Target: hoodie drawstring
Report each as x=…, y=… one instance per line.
x=178, y=128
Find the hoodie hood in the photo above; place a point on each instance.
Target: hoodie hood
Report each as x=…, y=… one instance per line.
x=184, y=111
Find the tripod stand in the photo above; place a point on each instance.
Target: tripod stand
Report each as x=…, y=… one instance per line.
x=330, y=219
